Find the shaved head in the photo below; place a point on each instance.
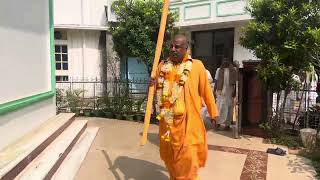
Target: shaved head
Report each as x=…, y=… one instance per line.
x=180, y=36
x=178, y=48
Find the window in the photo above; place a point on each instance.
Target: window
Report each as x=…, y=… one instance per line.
x=62, y=78
x=60, y=35
x=61, y=56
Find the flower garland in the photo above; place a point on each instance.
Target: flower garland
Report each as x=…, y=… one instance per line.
x=165, y=102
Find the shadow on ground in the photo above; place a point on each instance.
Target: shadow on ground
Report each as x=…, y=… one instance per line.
x=153, y=138
x=225, y=133
x=136, y=169
x=300, y=165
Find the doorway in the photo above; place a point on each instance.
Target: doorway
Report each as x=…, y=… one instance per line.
x=253, y=100
x=212, y=46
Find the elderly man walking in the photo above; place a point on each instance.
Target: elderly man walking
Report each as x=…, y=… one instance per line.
x=182, y=85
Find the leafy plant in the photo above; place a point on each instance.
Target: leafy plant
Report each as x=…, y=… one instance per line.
x=283, y=31
x=106, y=101
x=74, y=100
x=285, y=35
x=267, y=128
x=286, y=140
x=139, y=103
x=136, y=30
x=60, y=100
x=118, y=104
x=127, y=100
x=278, y=136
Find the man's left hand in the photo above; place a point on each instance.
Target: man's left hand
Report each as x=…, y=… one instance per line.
x=214, y=121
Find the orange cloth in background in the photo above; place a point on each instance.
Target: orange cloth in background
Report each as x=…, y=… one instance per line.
x=187, y=150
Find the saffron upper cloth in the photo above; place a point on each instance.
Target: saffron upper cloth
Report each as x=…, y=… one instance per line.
x=187, y=150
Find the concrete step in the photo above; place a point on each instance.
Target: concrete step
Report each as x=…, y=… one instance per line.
x=15, y=157
x=70, y=166
x=46, y=164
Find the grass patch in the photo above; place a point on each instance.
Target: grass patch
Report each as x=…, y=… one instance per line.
x=315, y=159
x=292, y=139
x=288, y=138
x=292, y=142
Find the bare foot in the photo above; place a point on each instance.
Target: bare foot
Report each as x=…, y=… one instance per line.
x=217, y=126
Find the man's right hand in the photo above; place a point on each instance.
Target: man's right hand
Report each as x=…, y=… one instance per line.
x=152, y=82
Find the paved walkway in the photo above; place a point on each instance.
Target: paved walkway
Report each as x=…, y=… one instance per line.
x=116, y=155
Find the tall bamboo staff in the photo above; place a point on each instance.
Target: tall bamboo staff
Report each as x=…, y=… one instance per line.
x=153, y=72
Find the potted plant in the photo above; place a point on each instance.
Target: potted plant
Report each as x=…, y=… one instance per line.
x=98, y=112
x=60, y=101
x=129, y=104
x=108, y=113
x=87, y=105
x=117, y=102
x=139, y=117
x=130, y=117
x=138, y=104
x=87, y=112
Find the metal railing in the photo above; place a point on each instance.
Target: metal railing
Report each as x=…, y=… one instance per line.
x=90, y=92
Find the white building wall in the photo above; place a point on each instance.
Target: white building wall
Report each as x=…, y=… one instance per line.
x=94, y=14
x=113, y=60
x=75, y=53
x=192, y=12
x=67, y=12
x=80, y=13
x=25, y=71
x=83, y=20
x=240, y=53
x=93, y=66
x=85, y=58
x=24, y=47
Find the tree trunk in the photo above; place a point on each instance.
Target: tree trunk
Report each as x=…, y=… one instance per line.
x=283, y=106
x=269, y=104
x=276, y=119
x=298, y=111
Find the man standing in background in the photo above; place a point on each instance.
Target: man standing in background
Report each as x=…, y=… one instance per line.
x=226, y=78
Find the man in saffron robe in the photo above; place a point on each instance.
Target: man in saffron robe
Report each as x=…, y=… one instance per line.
x=182, y=85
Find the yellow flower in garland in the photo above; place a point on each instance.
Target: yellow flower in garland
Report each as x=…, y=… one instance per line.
x=166, y=136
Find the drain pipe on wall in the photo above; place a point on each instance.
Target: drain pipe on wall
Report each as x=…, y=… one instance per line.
x=83, y=57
